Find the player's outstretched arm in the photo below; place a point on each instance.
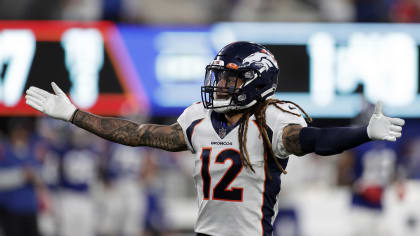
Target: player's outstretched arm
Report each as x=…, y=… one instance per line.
x=328, y=141
x=166, y=137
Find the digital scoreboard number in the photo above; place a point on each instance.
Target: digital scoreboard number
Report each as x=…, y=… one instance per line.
x=85, y=59
x=331, y=70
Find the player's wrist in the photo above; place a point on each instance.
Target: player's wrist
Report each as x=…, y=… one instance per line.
x=368, y=132
x=73, y=115
x=66, y=112
x=364, y=133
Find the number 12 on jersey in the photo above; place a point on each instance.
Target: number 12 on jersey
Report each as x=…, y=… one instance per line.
x=221, y=190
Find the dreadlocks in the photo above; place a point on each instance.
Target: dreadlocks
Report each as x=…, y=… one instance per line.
x=259, y=112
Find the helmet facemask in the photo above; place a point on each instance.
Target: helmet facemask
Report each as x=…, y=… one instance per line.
x=223, y=89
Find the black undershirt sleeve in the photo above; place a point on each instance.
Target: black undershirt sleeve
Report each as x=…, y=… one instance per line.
x=330, y=141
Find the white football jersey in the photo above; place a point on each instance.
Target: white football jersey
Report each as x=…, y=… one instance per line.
x=232, y=199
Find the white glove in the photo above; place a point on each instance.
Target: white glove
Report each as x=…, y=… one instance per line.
x=382, y=127
x=55, y=105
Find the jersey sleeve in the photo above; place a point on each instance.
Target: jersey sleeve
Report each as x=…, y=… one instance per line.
x=187, y=119
x=280, y=119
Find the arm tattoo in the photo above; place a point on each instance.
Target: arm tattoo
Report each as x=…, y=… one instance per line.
x=169, y=138
x=291, y=141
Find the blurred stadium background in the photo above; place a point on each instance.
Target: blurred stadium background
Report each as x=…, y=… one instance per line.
x=145, y=59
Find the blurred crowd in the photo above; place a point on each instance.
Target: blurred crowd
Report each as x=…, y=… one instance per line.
x=204, y=11
x=59, y=180
x=56, y=179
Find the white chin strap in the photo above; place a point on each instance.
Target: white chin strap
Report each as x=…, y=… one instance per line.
x=222, y=105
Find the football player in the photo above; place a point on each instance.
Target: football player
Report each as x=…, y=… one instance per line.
x=77, y=176
x=241, y=138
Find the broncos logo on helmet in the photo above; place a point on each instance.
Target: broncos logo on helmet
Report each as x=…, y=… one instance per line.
x=263, y=60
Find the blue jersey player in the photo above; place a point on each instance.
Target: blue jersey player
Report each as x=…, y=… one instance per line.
x=19, y=183
x=75, y=205
x=241, y=138
x=371, y=168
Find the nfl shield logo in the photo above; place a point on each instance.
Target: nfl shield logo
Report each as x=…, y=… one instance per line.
x=222, y=132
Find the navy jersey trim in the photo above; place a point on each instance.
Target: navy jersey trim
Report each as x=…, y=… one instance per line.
x=218, y=120
x=190, y=130
x=271, y=189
